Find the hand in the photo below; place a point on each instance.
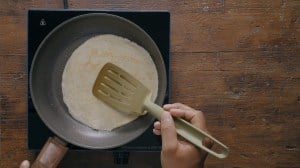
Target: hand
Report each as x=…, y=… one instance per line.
x=176, y=152
x=25, y=164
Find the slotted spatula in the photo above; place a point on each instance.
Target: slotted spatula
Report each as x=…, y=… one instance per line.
x=123, y=92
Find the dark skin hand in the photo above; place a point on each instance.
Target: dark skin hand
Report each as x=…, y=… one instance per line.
x=176, y=152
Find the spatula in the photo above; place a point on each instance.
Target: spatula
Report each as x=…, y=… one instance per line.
x=125, y=93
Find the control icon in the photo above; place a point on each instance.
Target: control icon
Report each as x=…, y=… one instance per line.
x=43, y=22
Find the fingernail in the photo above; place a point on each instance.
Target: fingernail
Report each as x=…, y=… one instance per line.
x=166, y=117
x=25, y=164
x=166, y=105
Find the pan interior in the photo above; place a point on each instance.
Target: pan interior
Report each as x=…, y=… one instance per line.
x=48, y=66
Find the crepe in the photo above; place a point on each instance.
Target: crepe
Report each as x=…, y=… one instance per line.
x=83, y=67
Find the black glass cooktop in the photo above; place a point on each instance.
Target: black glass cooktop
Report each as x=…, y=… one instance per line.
x=41, y=21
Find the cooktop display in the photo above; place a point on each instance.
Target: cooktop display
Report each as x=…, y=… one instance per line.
x=41, y=21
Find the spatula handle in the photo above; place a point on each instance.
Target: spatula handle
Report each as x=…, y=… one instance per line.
x=196, y=136
x=189, y=132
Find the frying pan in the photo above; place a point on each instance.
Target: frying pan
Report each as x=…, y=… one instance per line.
x=46, y=76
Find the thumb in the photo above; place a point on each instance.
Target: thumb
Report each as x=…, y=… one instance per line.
x=168, y=132
x=25, y=164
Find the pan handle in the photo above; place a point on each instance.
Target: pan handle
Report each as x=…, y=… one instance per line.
x=51, y=154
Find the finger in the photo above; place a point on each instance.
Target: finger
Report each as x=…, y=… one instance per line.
x=156, y=132
x=168, y=133
x=182, y=106
x=25, y=164
x=157, y=125
x=193, y=116
x=186, y=114
x=168, y=107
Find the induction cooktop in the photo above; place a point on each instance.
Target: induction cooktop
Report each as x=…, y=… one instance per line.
x=41, y=21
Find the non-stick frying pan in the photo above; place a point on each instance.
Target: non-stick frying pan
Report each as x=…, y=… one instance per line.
x=48, y=66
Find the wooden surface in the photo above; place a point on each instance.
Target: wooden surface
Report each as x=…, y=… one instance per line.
x=238, y=62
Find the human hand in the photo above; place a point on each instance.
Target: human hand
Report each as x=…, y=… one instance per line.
x=25, y=164
x=176, y=152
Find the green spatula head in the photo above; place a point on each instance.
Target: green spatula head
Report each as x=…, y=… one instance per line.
x=120, y=90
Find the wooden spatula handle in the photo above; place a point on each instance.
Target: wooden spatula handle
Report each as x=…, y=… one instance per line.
x=188, y=131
